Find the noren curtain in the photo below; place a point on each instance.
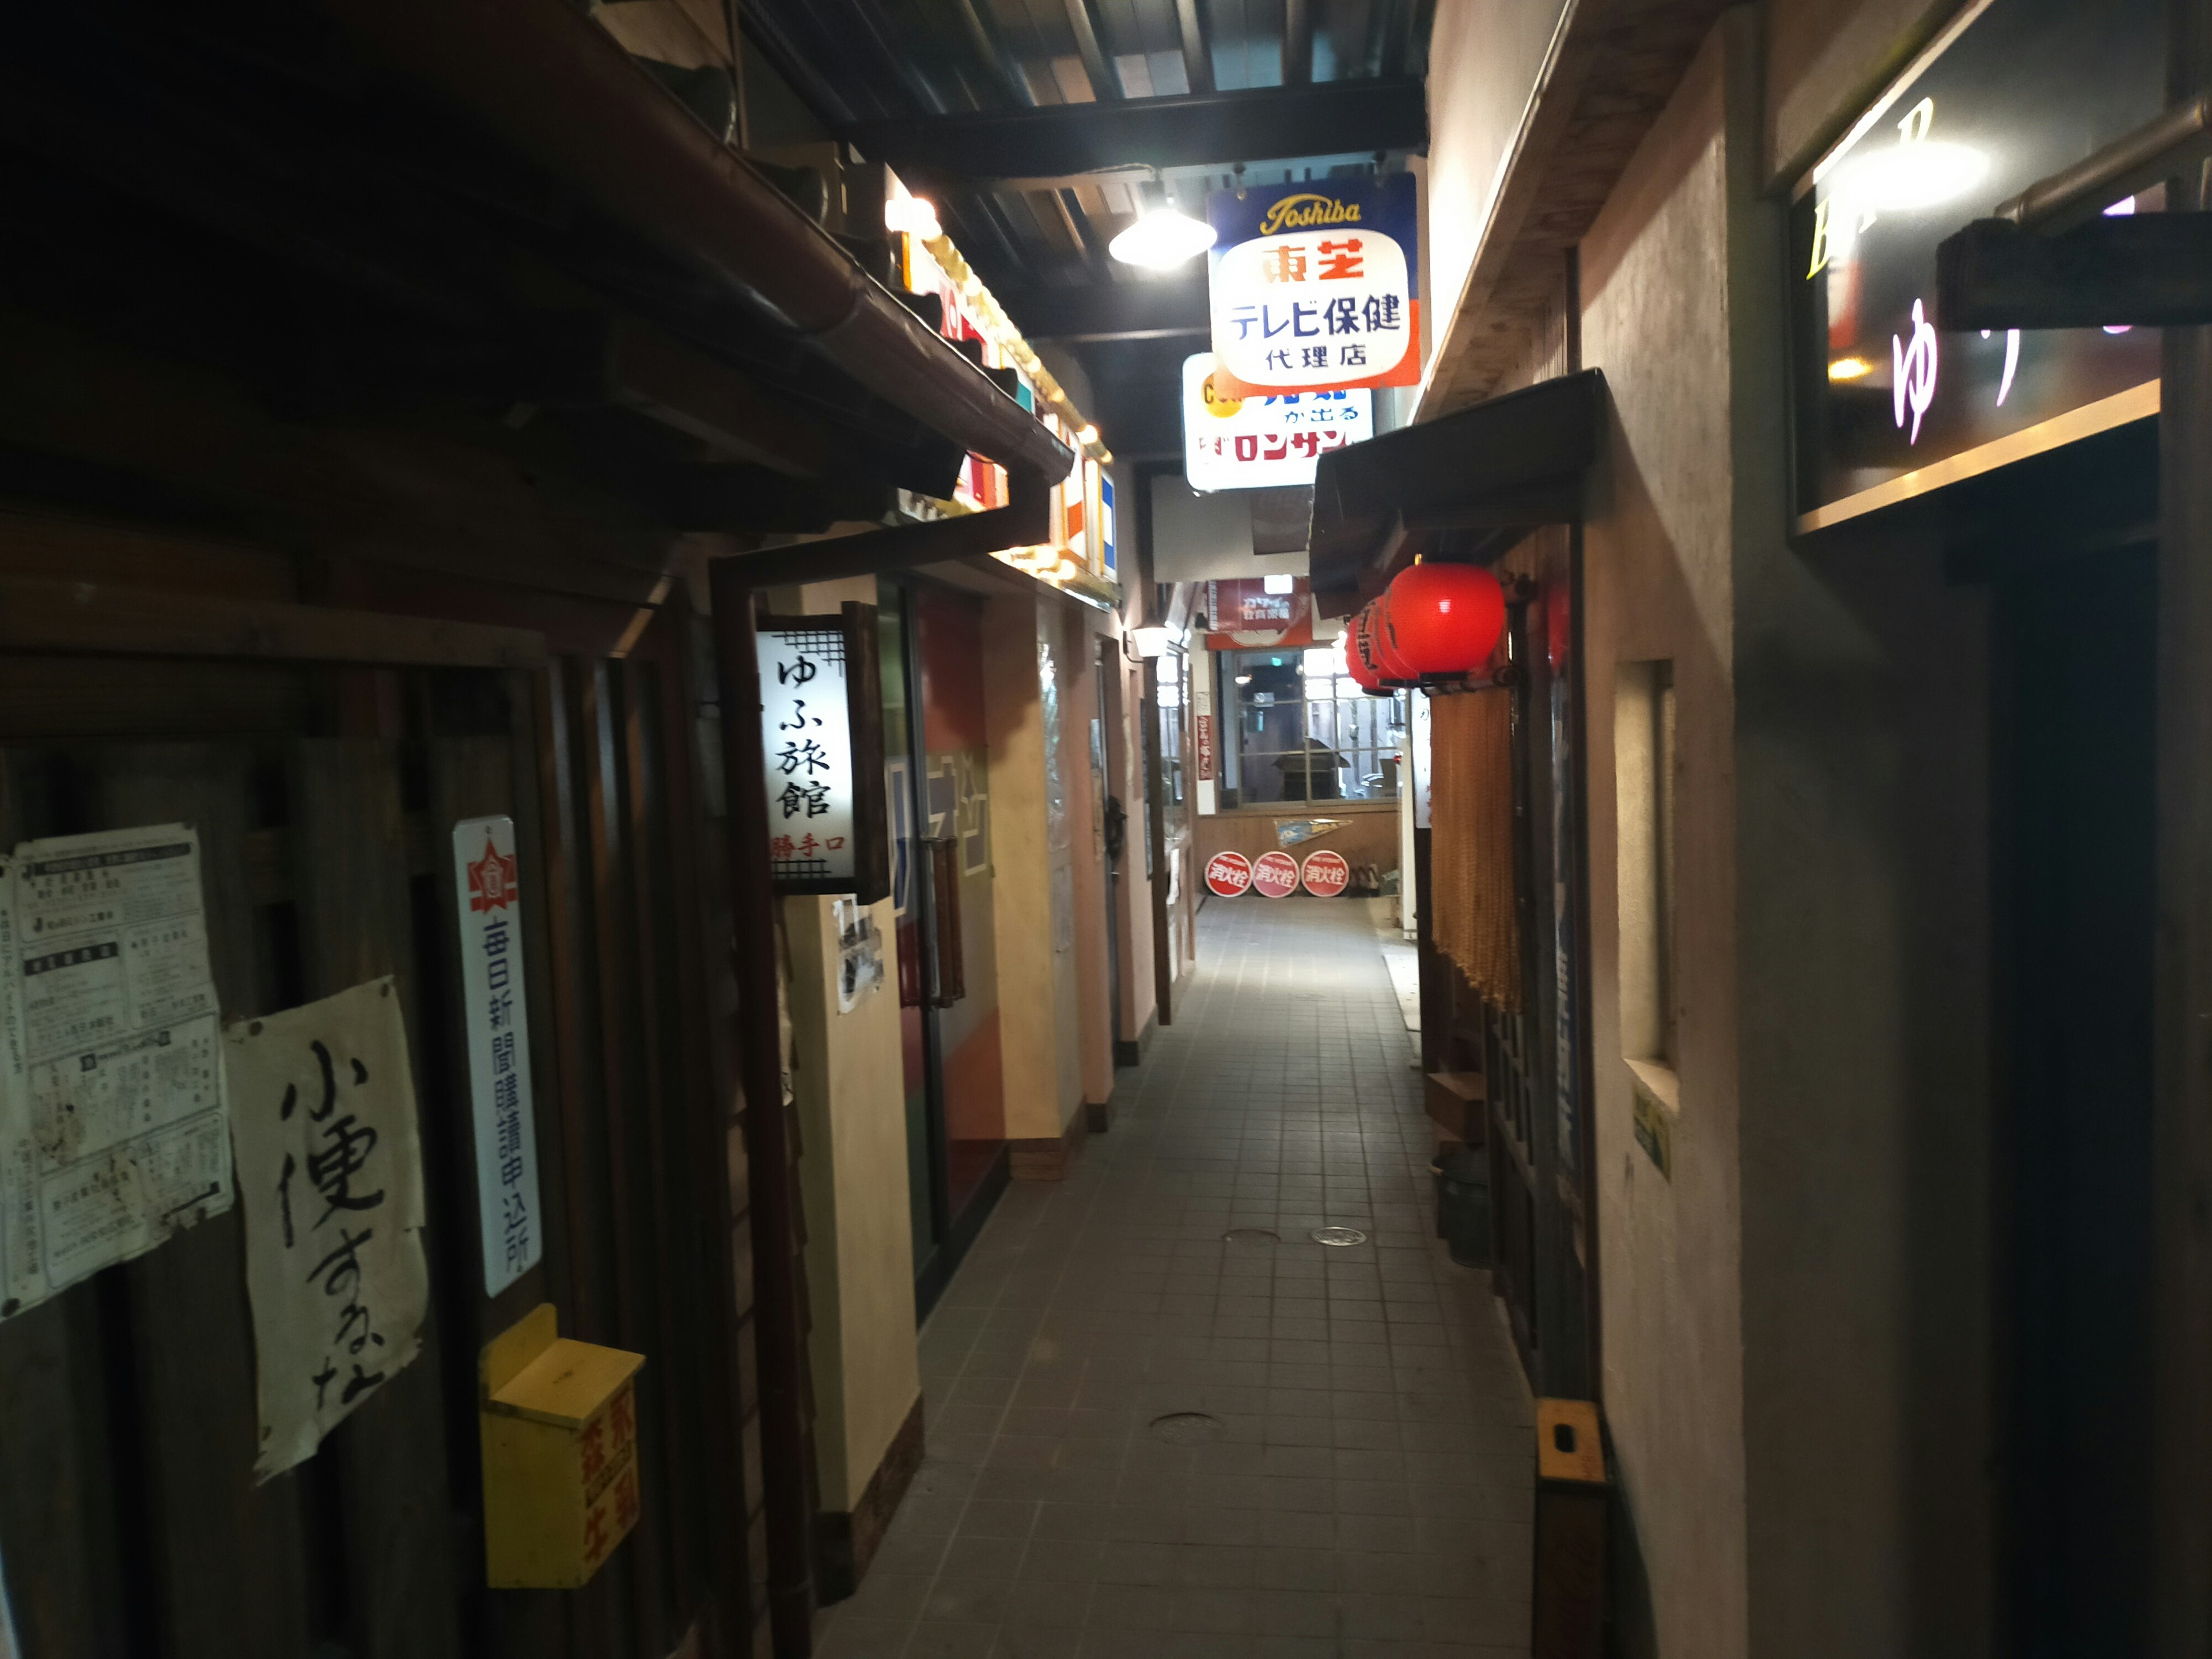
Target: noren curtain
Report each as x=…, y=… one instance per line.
x=1476, y=925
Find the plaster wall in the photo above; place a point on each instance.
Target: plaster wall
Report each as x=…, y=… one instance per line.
x=1796, y=1324
x=1024, y=660
x=1139, y=991
x=1090, y=785
x=1657, y=550
x=851, y=1108
x=1484, y=58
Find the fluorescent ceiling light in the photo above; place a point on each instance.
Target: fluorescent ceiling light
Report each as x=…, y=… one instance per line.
x=1279, y=584
x=1162, y=239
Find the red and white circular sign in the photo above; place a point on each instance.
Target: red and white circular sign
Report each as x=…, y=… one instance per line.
x=1327, y=874
x=1228, y=874
x=1276, y=875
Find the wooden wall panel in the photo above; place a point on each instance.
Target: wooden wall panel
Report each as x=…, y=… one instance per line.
x=355, y=924
x=231, y=1558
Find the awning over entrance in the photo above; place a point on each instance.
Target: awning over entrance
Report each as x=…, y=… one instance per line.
x=1499, y=469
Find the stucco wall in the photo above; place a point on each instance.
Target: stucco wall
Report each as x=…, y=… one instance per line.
x=1797, y=1336
x=852, y=1176
x=1027, y=690
x=1657, y=550
x=1485, y=56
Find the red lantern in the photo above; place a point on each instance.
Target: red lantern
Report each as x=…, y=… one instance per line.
x=1442, y=618
x=1358, y=647
x=1392, y=666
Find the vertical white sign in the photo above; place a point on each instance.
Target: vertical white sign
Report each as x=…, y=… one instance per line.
x=1417, y=753
x=806, y=733
x=329, y=1161
x=490, y=900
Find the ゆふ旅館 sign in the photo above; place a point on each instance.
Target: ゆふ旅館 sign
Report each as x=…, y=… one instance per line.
x=1885, y=405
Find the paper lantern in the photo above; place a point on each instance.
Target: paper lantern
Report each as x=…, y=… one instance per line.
x=1392, y=667
x=1442, y=618
x=1359, y=650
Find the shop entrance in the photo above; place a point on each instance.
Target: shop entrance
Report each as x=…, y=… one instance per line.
x=2073, y=827
x=939, y=758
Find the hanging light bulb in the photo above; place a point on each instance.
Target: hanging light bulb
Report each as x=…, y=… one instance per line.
x=1160, y=238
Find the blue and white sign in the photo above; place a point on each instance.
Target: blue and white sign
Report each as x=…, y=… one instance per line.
x=1265, y=442
x=1314, y=287
x=498, y=1018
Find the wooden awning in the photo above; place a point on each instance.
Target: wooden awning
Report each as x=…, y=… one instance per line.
x=1498, y=469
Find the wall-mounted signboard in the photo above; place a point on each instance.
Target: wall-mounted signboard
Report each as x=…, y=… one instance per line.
x=1314, y=287
x=1887, y=406
x=1230, y=442
x=823, y=739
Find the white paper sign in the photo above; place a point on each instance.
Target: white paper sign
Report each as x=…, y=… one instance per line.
x=506, y=1116
x=807, y=734
x=860, y=953
x=112, y=1135
x=1253, y=443
x=323, y=1118
x=1417, y=756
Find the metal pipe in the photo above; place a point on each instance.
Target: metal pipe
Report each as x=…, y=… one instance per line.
x=2155, y=151
x=777, y=1339
x=554, y=86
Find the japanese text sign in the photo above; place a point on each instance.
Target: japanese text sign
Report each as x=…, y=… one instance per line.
x=323, y=1122
x=1314, y=287
x=490, y=904
x=111, y=1104
x=821, y=741
x=1231, y=442
x=1886, y=405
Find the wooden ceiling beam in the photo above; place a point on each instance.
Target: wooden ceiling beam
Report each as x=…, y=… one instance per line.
x=1194, y=129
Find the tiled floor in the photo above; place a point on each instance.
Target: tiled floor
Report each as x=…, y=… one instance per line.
x=1369, y=1491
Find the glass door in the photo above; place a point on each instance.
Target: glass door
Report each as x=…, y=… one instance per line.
x=947, y=944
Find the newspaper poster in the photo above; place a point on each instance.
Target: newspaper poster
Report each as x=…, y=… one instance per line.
x=112, y=1115
x=330, y=1167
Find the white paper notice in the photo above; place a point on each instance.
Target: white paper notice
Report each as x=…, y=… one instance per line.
x=484, y=882
x=323, y=1118
x=112, y=1120
x=860, y=953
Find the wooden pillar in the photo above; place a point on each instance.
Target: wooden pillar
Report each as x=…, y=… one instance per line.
x=768, y=1122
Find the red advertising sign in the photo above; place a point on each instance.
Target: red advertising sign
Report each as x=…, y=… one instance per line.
x=1276, y=875
x=1228, y=874
x=1204, y=745
x=1327, y=874
x=1243, y=602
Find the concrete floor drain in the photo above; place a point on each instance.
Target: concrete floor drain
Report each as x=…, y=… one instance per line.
x=1339, y=1237
x=1186, y=1428
x=1251, y=1236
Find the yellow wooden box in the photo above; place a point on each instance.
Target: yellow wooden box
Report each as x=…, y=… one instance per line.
x=560, y=1455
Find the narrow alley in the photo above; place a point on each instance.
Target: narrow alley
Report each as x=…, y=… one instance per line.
x=1163, y=1423
x=1106, y=829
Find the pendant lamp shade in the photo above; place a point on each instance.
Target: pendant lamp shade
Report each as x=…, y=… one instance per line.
x=1442, y=618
